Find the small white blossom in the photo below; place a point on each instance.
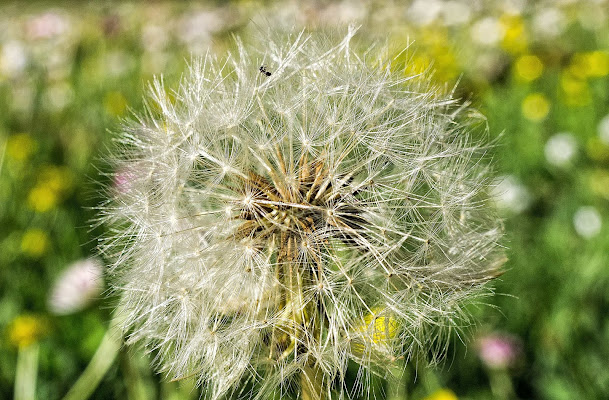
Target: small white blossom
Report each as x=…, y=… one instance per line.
x=510, y=194
x=295, y=208
x=46, y=26
x=76, y=287
x=560, y=149
x=456, y=12
x=155, y=37
x=424, y=12
x=13, y=58
x=587, y=222
x=549, y=22
x=196, y=29
x=487, y=31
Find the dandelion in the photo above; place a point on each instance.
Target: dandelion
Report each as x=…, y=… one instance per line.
x=515, y=37
x=282, y=225
x=53, y=184
x=575, y=91
x=46, y=26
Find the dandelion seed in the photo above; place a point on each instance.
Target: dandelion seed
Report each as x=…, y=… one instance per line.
x=278, y=229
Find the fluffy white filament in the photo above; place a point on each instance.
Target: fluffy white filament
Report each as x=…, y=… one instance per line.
x=279, y=223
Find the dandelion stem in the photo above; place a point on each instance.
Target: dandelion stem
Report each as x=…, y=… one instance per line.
x=501, y=384
x=397, y=387
x=311, y=381
x=98, y=366
x=27, y=370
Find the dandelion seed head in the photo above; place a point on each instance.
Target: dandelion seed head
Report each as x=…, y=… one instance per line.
x=334, y=210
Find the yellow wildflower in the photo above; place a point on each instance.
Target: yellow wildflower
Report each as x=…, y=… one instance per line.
x=58, y=179
x=19, y=147
x=598, y=64
x=384, y=326
x=374, y=334
x=34, y=242
x=577, y=68
x=25, y=330
x=442, y=394
x=53, y=182
x=528, y=67
x=435, y=53
x=576, y=92
x=42, y=198
x=597, y=150
x=115, y=103
x=378, y=327
x=515, y=38
x=594, y=64
x=598, y=181
x=535, y=107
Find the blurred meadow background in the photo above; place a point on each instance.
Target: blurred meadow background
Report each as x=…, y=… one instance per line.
x=538, y=70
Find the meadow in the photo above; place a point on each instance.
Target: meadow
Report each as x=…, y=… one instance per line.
x=538, y=71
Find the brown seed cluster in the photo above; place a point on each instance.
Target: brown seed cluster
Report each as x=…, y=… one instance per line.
x=298, y=212
x=298, y=218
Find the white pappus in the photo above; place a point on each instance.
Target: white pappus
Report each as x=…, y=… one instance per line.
x=294, y=206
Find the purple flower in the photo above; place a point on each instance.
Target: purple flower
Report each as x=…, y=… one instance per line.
x=498, y=351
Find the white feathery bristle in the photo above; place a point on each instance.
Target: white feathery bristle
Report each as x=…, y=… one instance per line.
x=295, y=206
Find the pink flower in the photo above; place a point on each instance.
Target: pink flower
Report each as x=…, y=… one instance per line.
x=47, y=25
x=123, y=180
x=76, y=287
x=498, y=351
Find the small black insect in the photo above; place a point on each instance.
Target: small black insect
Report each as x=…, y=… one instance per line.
x=264, y=71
